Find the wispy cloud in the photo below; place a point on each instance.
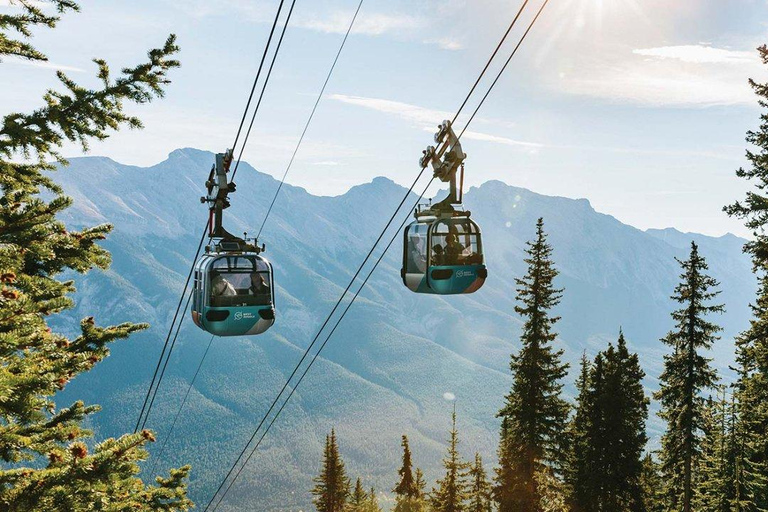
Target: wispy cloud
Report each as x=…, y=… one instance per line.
x=426, y=118
x=328, y=163
x=412, y=113
x=699, y=54
x=40, y=64
x=687, y=76
x=446, y=43
x=373, y=24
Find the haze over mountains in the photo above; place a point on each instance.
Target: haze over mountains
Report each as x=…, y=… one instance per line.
x=396, y=353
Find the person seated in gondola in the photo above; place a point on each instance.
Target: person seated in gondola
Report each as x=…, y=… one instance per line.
x=220, y=287
x=259, y=288
x=453, y=249
x=417, y=254
x=438, y=255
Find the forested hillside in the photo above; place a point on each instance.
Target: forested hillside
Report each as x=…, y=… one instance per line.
x=388, y=365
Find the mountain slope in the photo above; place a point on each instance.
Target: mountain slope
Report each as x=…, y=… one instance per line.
x=395, y=354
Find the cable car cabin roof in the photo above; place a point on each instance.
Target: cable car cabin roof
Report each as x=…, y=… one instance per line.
x=443, y=256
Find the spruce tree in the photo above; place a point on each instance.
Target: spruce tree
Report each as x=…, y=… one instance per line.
x=372, y=504
x=625, y=413
x=687, y=374
x=752, y=345
x=479, y=487
x=451, y=492
x=578, y=468
x=535, y=412
x=421, y=485
x=358, y=500
x=608, y=433
x=651, y=486
x=45, y=463
x=408, y=495
x=332, y=486
x=406, y=487
x=715, y=490
x=551, y=491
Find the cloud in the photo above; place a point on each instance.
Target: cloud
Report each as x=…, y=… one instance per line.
x=699, y=54
x=329, y=163
x=426, y=118
x=373, y=24
x=446, y=43
x=413, y=113
x=41, y=64
x=501, y=140
x=682, y=76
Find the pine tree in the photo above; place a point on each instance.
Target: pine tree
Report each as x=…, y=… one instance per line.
x=332, y=486
x=650, y=486
x=749, y=419
x=479, y=487
x=578, y=468
x=406, y=487
x=372, y=504
x=752, y=345
x=408, y=496
x=45, y=463
x=536, y=414
x=451, y=495
x=715, y=490
x=686, y=375
x=625, y=414
x=552, y=491
x=608, y=433
x=359, y=499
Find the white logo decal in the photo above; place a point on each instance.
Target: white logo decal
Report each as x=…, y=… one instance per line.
x=239, y=315
x=464, y=273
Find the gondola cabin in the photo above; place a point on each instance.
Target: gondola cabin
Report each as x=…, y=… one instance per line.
x=443, y=255
x=233, y=293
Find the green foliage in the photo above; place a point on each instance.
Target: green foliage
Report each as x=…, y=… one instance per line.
x=409, y=491
x=715, y=491
x=332, y=487
x=480, y=498
x=31, y=14
x=534, y=413
x=607, y=433
x=551, y=491
x=687, y=374
x=451, y=492
x=406, y=487
x=651, y=486
x=751, y=391
x=754, y=208
x=47, y=464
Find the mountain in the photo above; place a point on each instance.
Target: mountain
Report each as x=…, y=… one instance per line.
x=385, y=371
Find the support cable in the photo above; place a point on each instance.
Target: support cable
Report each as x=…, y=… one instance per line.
x=263, y=88
x=181, y=407
x=309, y=120
x=285, y=402
x=168, y=336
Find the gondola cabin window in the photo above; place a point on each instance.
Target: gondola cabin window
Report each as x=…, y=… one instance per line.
x=416, y=249
x=239, y=281
x=455, y=242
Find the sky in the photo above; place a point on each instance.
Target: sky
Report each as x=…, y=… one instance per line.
x=640, y=106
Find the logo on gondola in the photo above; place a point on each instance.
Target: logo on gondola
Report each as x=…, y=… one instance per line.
x=239, y=315
x=464, y=273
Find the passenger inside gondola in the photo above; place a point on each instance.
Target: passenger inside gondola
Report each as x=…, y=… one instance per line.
x=259, y=289
x=438, y=255
x=453, y=250
x=417, y=258
x=221, y=287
